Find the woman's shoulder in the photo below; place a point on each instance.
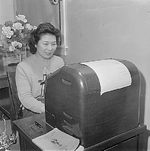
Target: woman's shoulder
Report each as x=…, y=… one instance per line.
x=25, y=64
x=28, y=60
x=58, y=59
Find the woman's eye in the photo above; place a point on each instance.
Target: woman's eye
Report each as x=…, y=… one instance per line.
x=54, y=44
x=45, y=44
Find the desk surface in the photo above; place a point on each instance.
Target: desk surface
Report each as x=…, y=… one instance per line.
x=23, y=126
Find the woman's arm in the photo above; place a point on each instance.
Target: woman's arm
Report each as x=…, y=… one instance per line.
x=24, y=88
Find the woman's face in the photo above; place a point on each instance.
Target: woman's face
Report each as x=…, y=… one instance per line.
x=46, y=46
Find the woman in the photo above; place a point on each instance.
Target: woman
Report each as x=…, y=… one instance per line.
x=31, y=72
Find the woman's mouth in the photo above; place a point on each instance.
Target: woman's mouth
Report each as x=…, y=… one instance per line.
x=49, y=52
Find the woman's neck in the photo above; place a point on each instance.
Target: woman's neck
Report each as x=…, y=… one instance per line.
x=42, y=59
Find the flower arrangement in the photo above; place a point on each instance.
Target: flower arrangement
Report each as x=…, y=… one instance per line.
x=16, y=33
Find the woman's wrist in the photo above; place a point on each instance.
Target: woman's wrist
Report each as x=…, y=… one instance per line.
x=43, y=109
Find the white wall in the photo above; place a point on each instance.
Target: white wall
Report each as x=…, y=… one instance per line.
x=98, y=29
x=38, y=11
x=7, y=11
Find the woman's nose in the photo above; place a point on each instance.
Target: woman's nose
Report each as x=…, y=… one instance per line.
x=49, y=47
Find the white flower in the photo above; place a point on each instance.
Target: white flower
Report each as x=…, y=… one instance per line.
x=22, y=18
x=34, y=27
x=11, y=48
x=16, y=44
x=7, y=31
x=17, y=33
x=18, y=26
x=29, y=27
x=19, y=44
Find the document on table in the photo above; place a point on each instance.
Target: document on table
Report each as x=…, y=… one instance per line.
x=56, y=140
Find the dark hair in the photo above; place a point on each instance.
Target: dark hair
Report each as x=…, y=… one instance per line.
x=42, y=29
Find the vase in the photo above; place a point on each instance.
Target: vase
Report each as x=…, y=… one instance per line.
x=21, y=53
x=1, y=63
x=9, y=57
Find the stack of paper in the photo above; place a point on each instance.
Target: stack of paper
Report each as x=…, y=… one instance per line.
x=56, y=140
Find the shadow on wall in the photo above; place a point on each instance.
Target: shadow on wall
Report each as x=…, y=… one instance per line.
x=142, y=111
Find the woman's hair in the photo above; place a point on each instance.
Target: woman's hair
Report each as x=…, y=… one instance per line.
x=42, y=29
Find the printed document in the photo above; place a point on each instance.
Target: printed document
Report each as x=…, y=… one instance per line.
x=56, y=140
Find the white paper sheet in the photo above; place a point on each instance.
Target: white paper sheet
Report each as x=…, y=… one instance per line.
x=56, y=140
x=112, y=74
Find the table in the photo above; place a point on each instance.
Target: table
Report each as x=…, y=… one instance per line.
x=129, y=141
x=26, y=133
